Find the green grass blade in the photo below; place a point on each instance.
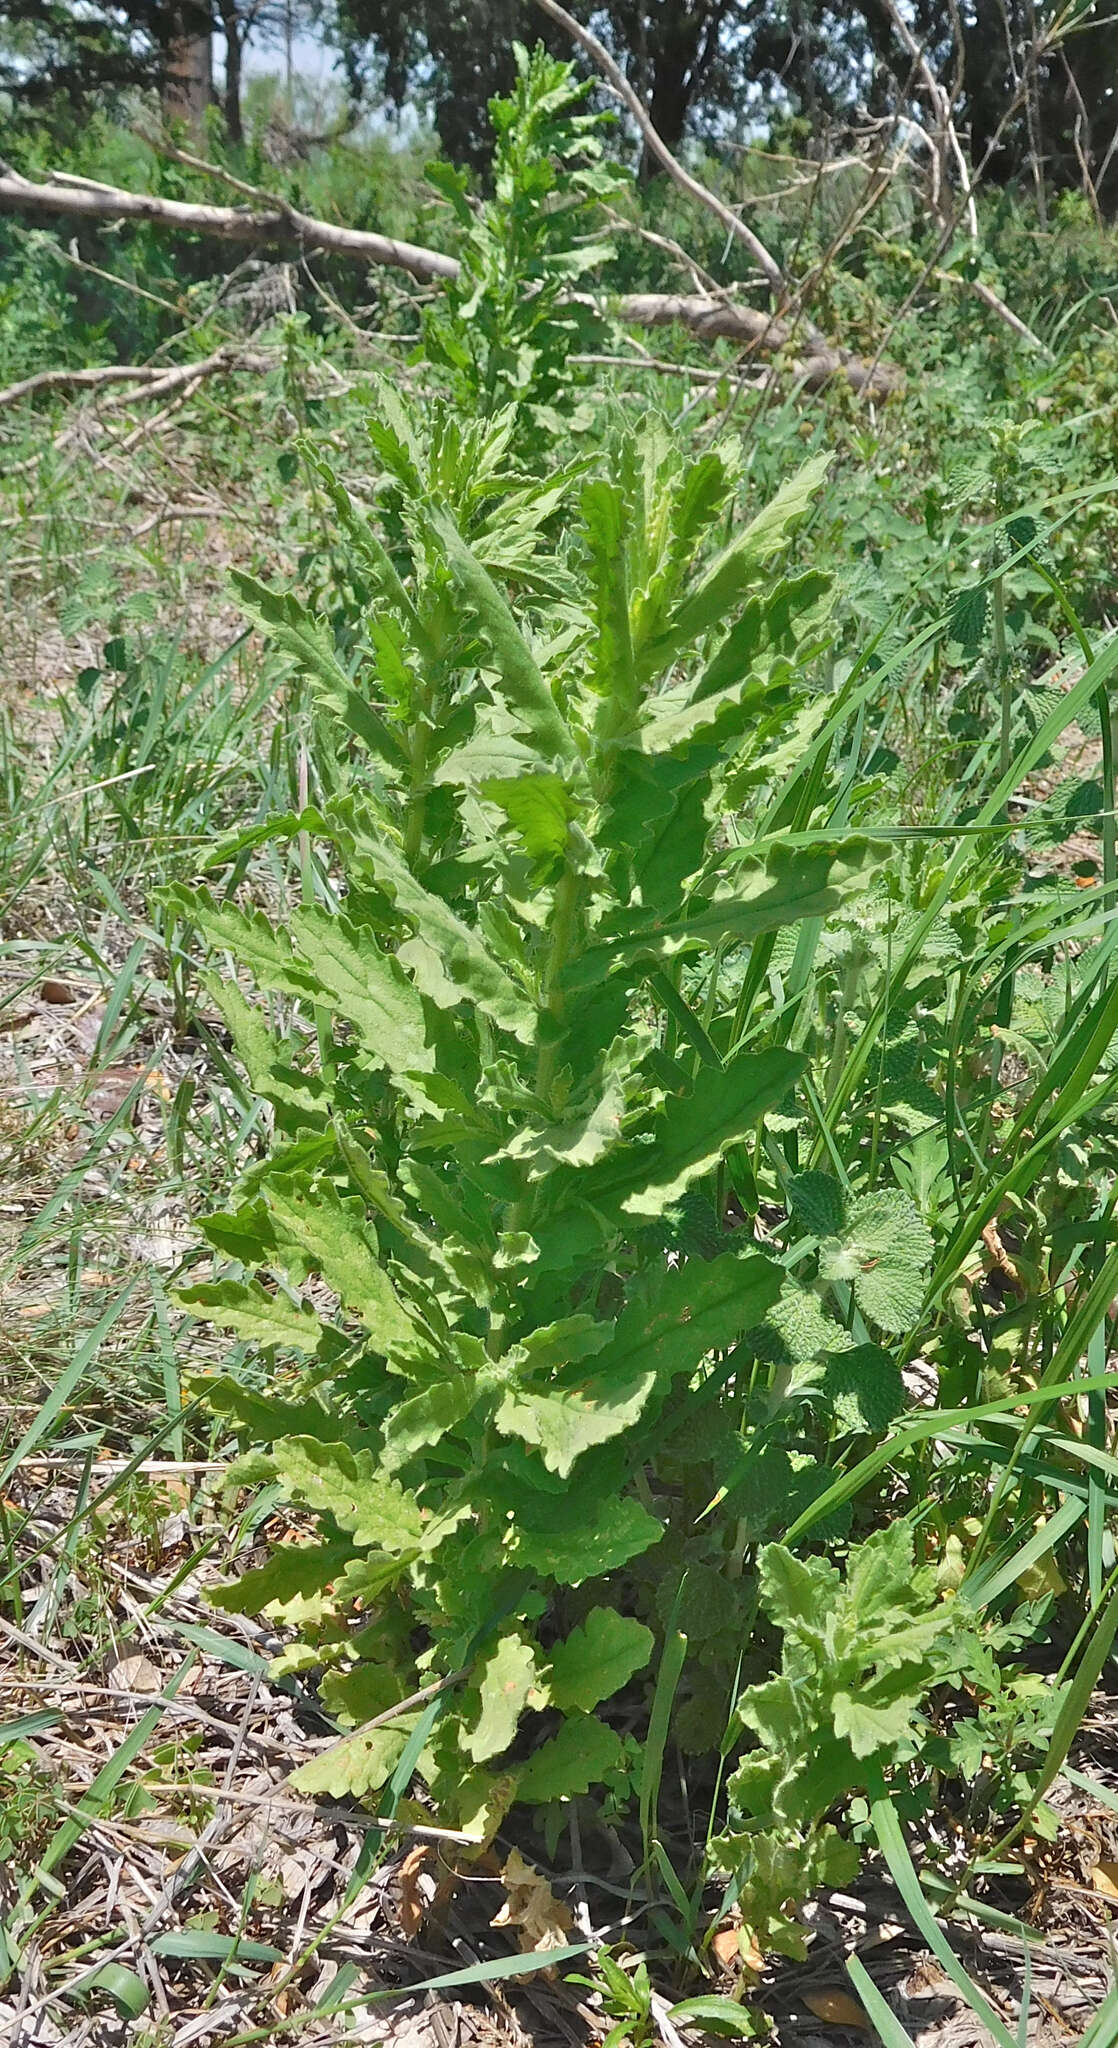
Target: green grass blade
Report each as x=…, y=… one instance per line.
x=60, y=1393
x=886, y=2024
x=894, y=1848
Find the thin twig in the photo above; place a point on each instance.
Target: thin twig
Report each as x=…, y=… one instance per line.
x=659, y=148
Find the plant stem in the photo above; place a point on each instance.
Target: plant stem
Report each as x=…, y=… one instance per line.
x=563, y=926
x=417, y=797
x=1001, y=656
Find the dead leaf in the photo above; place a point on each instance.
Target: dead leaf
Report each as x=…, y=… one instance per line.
x=838, y=2008
x=111, y=1089
x=1104, y=1879
x=725, y=1946
x=54, y=991
x=541, y=1919
x=411, y=1907
x=135, y=1674
x=991, y=1238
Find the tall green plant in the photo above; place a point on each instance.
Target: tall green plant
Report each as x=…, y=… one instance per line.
x=505, y=329
x=494, y=1113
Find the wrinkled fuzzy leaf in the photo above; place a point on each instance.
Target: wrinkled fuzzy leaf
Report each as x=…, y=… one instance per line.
x=864, y=1387
x=691, y=1310
x=310, y=643
x=521, y=685
x=347, y=1485
x=572, y=1542
x=580, y=1755
x=293, y=1571
x=870, y=1729
x=967, y=623
x=732, y=572
x=466, y=960
x=580, y=1141
x=261, y=1418
x=597, y=1659
x=359, y=1764
x=695, y=1132
x=538, y=807
x=253, y=1313
x=425, y=1419
x=798, y=1329
x=884, y=1251
x=367, y=988
x=890, y=1296
x=818, y=1204
x=780, y=886
x=565, y=1423
x=505, y=1680
x=337, y=1245
x=248, y=935
x=262, y=1055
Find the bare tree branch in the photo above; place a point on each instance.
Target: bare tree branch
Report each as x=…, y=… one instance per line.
x=711, y=317
x=659, y=148
x=155, y=380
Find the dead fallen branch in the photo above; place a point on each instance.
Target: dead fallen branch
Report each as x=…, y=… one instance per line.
x=76, y=380
x=744, y=324
x=278, y=224
x=281, y=226
x=155, y=380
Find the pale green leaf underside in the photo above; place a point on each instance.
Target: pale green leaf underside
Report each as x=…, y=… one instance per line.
x=504, y=1683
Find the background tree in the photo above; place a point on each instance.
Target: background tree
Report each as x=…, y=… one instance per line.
x=56, y=59
x=708, y=68
x=690, y=60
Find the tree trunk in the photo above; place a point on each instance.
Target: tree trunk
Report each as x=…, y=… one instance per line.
x=671, y=56
x=231, y=28
x=669, y=106
x=188, y=80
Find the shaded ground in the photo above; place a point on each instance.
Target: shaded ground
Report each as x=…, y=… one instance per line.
x=201, y=1843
